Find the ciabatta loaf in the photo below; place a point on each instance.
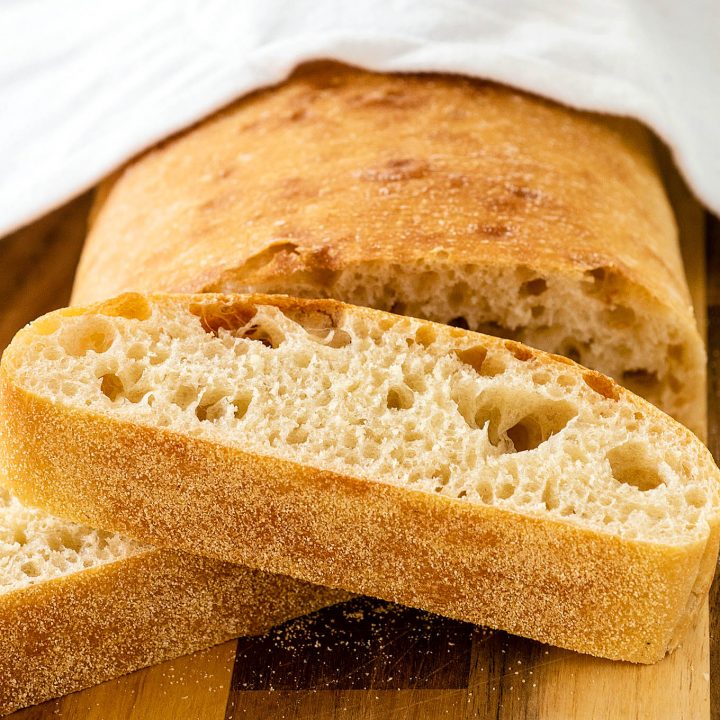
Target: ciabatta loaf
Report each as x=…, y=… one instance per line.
x=79, y=606
x=438, y=197
x=416, y=462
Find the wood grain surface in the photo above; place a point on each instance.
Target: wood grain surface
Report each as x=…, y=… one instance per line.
x=368, y=659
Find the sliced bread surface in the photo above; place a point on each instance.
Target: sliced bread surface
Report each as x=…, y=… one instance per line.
x=424, y=464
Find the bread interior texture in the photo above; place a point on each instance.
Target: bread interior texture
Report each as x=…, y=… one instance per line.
x=385, y=398
x=36, y=547
x=599, y=319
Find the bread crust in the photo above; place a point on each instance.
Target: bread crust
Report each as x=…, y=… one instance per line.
x=81, y=629
x=548, y=580
x=339, y=170
x=198, y=241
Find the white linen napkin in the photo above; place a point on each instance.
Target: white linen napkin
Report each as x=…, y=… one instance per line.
x=86, y=84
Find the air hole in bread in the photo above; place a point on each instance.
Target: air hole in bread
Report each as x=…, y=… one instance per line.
x=218, y=316
x=137, y=351
x=506, y=490
x=441, y=477
x=340, y=339
x=595, y=278
x=550, y=496
x=111, y=386
x=100, y=341
x=71, y=541
x=598, y=274
x=349, y=439
x=632, y=464
x=415, y=381
x=271, y=337
x=619, y=316
x=136, y=394
x=30, y=569
x=19, y=536
x=184, y=396
x=132, y=374
x=488, y=415
x=331, y=337
x=493, y=365
x=201, y=412
x=695, y=497
x=69, y=388
x=525, y=434
x=426, y=335
x=473, y=356
x=575, y=452
x=459, y=322
x=400, y=397
x=89, y=333
x=297, y=436
x=518, y=422
x=537, y=311
x=603, y=280
x=485, y=493
x=537, y=286
x=320, y=325
x=241, y=403
x=212, y=412
x=157, y=356
x=50, y=354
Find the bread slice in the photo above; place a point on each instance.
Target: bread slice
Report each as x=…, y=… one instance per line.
x=79, y=606
x=428, y=465
x=439, y=197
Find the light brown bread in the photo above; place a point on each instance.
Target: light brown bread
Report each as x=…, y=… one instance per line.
x=428, y=465
x=79, y=606
x=439, y=197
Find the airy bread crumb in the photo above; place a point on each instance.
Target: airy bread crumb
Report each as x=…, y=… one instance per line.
x=383, y=398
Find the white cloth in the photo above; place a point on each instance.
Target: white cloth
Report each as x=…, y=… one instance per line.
x=86, y=84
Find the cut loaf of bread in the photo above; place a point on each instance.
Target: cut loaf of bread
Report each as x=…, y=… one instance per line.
x=79, y=606
x=424, y=464
x=439, y=197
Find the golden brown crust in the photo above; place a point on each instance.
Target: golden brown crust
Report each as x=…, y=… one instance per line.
x=338, y=169
x=350, y=161
x=75, y=631
x=547, y=580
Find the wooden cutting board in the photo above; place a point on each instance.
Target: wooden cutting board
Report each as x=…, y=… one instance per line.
x=367, y=659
